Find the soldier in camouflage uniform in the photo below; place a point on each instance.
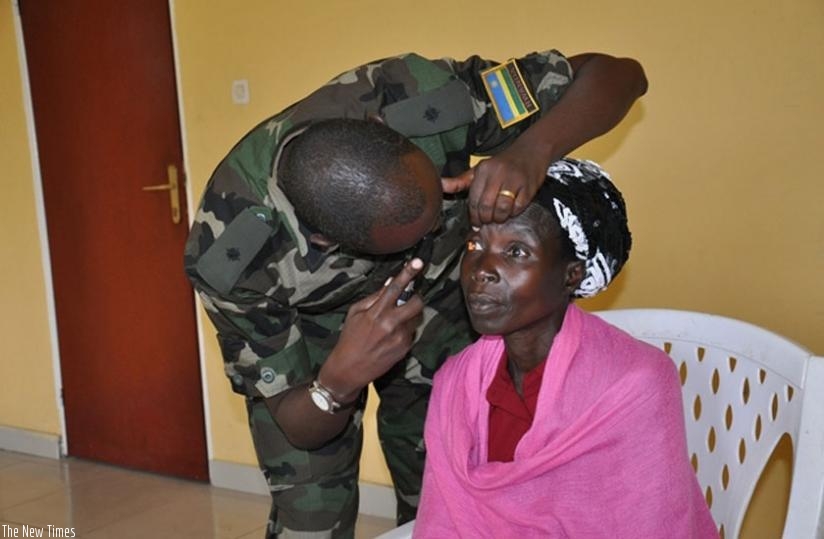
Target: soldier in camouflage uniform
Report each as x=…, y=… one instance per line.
x=279, y=301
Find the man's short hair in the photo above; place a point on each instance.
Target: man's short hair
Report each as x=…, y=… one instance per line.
x=346, y=177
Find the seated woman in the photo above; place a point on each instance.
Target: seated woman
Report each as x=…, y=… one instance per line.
x=554, y=423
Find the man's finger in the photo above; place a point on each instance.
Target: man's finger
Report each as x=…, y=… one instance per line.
x=366, y=303
x=504, y=207
x=397, y=284
x=459, y=183
x=483, y=201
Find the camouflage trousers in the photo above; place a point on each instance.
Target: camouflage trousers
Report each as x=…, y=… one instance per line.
x=315, y=493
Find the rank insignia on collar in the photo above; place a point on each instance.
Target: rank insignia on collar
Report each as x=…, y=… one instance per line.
x=509, y=93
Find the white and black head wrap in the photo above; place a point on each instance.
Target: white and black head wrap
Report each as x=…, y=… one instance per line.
x=591, y=210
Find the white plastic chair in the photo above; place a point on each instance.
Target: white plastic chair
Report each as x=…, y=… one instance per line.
x=744, y=387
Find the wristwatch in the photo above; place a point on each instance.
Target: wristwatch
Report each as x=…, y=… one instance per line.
x=324, y=400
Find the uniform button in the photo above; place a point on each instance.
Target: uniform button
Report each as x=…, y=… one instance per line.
x=237, y=379
x=267, y=375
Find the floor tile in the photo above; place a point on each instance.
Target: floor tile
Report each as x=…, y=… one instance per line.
x=369, y=526
x=99, y=501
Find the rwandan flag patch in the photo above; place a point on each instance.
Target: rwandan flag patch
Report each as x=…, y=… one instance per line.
x=509, y=93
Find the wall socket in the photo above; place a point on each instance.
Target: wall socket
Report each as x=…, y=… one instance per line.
x=240, y=92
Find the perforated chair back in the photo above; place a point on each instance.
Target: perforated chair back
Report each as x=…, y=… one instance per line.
x=744, y=387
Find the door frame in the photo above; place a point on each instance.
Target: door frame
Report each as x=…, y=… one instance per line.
x=190, y=212
x=45, y=258
x=43, y=232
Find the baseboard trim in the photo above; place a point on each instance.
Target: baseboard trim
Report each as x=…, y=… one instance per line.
x=375, y=500
x=30, y=442
x=235, y=476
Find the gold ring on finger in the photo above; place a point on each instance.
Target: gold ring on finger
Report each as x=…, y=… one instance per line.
x=507, y=193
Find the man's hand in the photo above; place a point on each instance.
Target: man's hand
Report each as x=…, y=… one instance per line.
x=601, y=93
x=376, y=335
x=501, y=186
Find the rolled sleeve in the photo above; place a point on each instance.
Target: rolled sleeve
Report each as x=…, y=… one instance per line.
x=263, y=354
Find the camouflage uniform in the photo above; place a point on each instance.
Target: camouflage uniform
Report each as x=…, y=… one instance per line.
x=278, y=303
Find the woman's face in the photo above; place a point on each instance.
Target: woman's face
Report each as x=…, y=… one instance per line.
x=515, y=279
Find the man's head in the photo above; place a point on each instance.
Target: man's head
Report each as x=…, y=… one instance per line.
x=361, y=184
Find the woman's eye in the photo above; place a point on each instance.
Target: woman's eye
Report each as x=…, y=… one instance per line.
x=517, y=251
x=473, y=245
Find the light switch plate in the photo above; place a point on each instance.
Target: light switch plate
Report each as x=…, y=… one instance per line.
x=240, y=92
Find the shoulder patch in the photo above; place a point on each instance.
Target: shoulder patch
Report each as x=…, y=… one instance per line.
x=222, y=263
x=509, y=93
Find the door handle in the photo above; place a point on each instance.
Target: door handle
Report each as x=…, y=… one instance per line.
x=174, y=192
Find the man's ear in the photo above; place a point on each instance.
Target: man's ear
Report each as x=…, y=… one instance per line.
x=574, y=275
x=320, y=241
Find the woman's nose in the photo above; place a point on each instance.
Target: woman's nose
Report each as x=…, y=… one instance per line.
x=484, y=271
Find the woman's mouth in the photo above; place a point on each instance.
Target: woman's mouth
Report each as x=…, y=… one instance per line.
x=482, y=304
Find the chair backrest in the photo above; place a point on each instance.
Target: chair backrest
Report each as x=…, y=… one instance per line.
x=743, y=387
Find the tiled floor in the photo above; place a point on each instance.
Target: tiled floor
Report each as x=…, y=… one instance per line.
x=100, y=501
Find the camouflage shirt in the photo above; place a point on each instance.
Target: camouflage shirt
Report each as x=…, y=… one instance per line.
x=277, y=302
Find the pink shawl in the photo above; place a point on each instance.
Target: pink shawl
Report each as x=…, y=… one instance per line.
x=606, y=455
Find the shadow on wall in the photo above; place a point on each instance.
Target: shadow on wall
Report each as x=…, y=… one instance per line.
x=602, y=148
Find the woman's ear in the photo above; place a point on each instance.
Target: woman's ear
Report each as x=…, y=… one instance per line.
x=574, y=275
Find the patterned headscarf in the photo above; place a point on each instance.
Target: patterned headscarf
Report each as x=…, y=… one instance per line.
x=591, y=210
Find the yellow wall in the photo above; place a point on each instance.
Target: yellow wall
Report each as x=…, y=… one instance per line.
x=716, y=162
x=27, y=396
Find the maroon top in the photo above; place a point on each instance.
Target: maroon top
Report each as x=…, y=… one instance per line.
x=510, y=415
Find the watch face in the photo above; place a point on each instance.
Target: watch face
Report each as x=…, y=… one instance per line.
x=320, y=401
